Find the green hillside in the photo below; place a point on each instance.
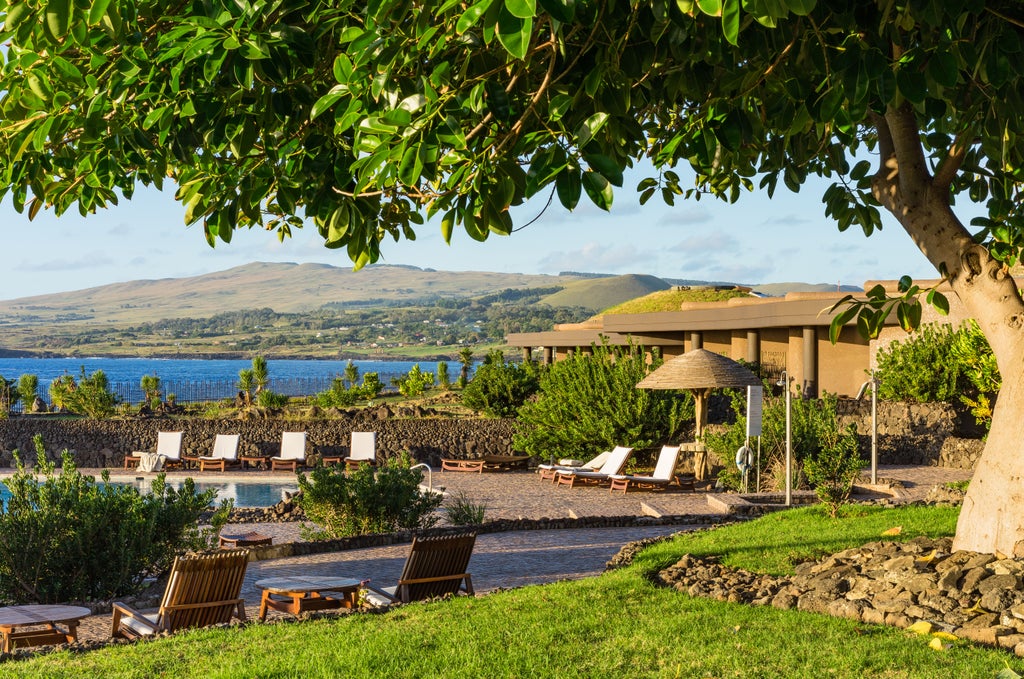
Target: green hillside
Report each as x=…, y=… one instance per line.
x=600, y=293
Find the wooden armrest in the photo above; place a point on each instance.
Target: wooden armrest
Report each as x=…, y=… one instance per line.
x=386, y=595
x=121, y=610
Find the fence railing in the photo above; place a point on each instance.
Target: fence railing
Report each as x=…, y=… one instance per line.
x=196, y=391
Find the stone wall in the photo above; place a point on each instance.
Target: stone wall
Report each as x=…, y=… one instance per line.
x=104, y=443
x=908, y=433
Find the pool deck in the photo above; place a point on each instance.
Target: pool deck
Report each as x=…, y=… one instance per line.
x=509, y=559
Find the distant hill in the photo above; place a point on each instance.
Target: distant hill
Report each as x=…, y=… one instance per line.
x=283, y=287
x=780, y=289
x=600, y=293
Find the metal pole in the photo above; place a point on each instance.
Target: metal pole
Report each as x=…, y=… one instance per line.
x=874, y=429
x=789, y=441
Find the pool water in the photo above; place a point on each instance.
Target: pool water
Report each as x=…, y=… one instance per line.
x=244, y=493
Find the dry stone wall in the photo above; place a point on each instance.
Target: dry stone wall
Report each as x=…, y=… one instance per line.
x=104, y=443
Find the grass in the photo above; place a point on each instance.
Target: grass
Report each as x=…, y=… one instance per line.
x=669, y=300
x=614, y=625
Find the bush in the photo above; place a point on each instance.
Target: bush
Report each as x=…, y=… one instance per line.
x=980, y=378
x=28, y=390
x=462, y=511
x=498, y=389
x=271, y=399
x=64, y=537
x=834, y=469
x=919, y=368
x=338, y=396
x=371, y=387
x=90, y=395
x=443, y=378
x=813, y=423
x=414, y=382
x=8, y=396
x=587, y=404
x=366, y=500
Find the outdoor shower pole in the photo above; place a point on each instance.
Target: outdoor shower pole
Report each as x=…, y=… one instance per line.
x=789, y=439
x=874, y=429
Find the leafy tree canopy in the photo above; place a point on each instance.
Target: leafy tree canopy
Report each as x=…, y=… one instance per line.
x=366, y=116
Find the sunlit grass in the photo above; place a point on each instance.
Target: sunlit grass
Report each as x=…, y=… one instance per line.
x=618, y=624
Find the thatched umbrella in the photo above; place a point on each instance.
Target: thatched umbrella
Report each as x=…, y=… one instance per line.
x=700, y=371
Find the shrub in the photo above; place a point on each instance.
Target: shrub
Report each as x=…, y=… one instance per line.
x=271, y=399
x=150, y=385
x=498, y=389
x=462, y=511
x=351, y=374
x=834, y=469
x=414, y=382
x=919, y=368
x=338, y=396
x=365, y=500
x=980, y=378
x=371, y=387
x=90, y=395
x=8, y=396
x=443, y=378
x=586, y=404
x=64, y=537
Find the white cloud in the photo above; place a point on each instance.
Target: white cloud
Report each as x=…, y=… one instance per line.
x=597, y=258
x=706, y=242
x=685, y=217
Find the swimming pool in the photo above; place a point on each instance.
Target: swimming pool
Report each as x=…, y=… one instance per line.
x=244, y=493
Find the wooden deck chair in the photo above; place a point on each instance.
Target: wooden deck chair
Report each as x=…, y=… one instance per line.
x=225, y=454
x=615, y=463
x=436, y=566
x=168, y=444
x=203, y=589
x=664, y=473
x=363, y=449
x=548, y=472
x=293, y=452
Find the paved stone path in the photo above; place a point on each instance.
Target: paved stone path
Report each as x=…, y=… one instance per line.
x=512, y=559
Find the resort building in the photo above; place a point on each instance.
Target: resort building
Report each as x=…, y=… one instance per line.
x=788, y=333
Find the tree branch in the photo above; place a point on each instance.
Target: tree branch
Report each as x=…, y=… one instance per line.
x=950, y=165
x=911, y=170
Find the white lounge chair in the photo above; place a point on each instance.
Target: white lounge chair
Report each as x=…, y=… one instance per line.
x=615, y=463
x=363, y=449
x=664, y=473
x=168, y=448
x=293, y=451
x=225, y=454
x=549, y=471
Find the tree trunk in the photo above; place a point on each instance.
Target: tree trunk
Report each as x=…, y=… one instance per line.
x=992, y=517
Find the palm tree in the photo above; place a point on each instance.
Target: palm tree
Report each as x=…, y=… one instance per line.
x=466, y=359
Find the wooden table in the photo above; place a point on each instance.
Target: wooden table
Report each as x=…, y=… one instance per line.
x=250, y=539
x=42, y=621
x=504, y=463
x=299, y=594
x=257, y=461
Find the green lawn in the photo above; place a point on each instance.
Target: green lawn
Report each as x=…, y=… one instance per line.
x=614, y=625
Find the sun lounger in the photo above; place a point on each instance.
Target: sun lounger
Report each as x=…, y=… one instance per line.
x=225, y=454
x=615, y=463
x=168, y=450
x=549, y=471
x=436, y=566
x=664, y=473
x=293, y=452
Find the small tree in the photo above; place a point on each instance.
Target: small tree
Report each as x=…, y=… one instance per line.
x=351, y=374
x=414, y=382
x=246, y=384
x=61, y=389
x=466, y=359
x=371, y=387
x=150, y=385
x=8, y=396
x=498, y=388
x=28, y=391
x=443, y=379
x=260, y=374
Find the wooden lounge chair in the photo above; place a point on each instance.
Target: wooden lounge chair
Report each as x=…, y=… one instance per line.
x=203, y=589
x=363, y=449
x=293, y=452
x=615, y=463
x=225, y=454
x=436, y=566
x=548, y=472
x=168, y=444
x=664, y=473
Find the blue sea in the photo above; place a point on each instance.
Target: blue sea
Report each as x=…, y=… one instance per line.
x=205, y=378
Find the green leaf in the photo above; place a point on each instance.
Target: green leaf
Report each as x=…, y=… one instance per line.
x=904, y=283
x=942, y=67
x=568, y=187
x=98, y=11
x=514, y=33
x=16, y=15
x=471, y=16
x=562, y=10
x=710, y=7
x=939, y=301
x=590, y=127
x=447, y=225
x=328, y=100
x=606, y=166
x=801, y=7
x=58, y=15
x=524, y=9
x=731, y=21
x=598, y=189
x=911, y=84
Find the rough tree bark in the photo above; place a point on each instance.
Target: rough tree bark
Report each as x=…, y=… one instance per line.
x=992, y=517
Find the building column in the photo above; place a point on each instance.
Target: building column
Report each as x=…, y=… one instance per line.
x=810, y=368
x=527, y=354
x=696, y=342
x=753, y=347
x=548, y=356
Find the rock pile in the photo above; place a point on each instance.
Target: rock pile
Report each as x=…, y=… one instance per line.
x=973, y=596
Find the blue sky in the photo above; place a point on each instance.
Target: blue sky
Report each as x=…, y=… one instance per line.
x=756, y=240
